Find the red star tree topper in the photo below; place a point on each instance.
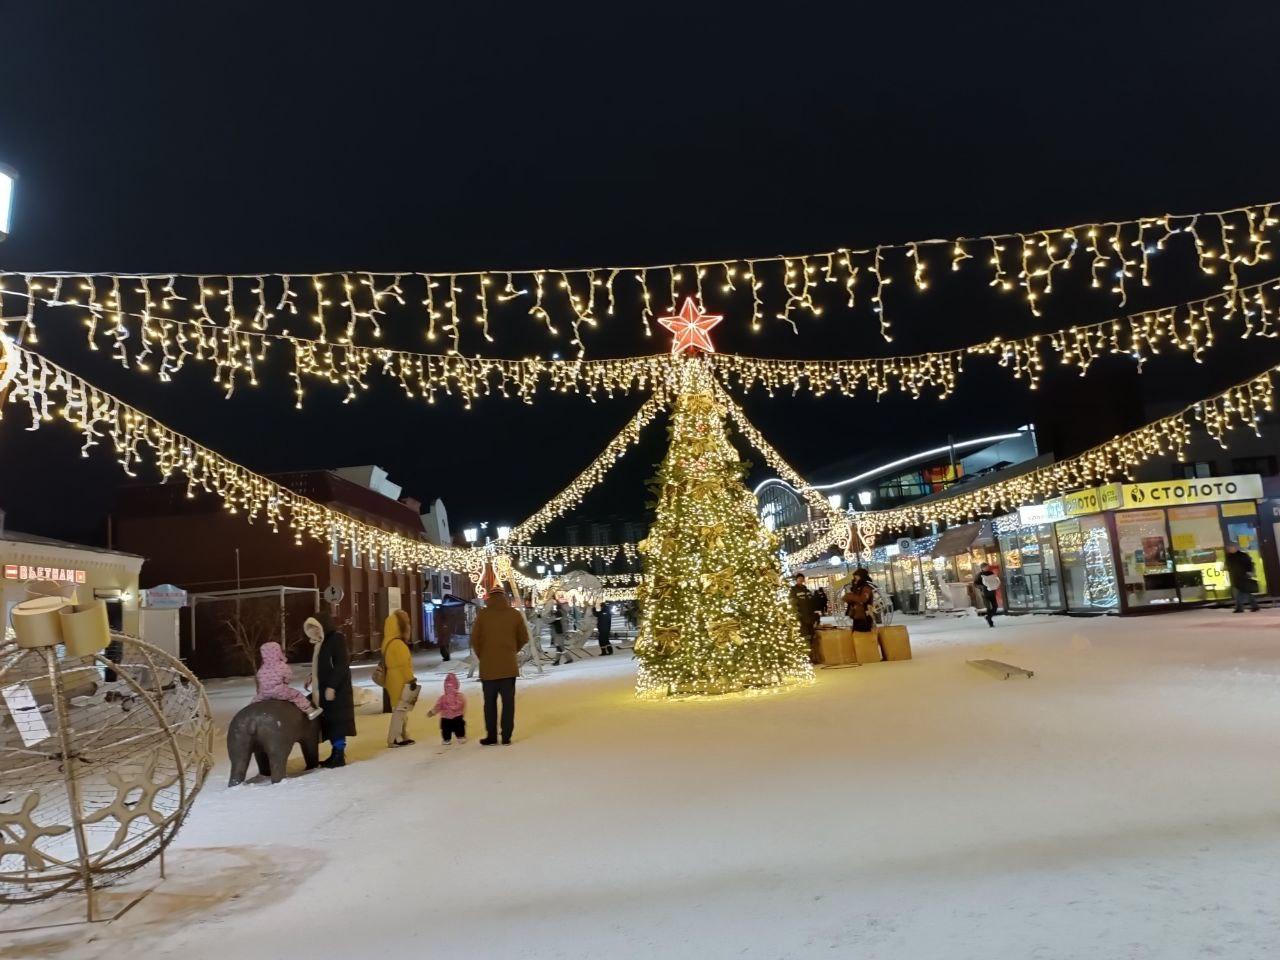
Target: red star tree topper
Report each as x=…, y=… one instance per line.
x=691, y=328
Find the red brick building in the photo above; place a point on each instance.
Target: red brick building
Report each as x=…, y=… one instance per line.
x=198, y=545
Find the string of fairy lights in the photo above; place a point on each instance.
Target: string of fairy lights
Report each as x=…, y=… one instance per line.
x=1117, y=256
x=1241, y=407
x=239, y=355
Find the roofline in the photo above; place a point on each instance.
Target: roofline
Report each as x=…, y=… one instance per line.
x=901, y=462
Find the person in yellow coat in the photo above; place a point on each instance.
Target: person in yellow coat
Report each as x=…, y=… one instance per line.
x=397, y=633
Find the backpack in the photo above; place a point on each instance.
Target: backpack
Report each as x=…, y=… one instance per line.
x=991, y=582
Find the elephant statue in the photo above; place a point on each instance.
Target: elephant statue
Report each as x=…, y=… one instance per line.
x=267, y=730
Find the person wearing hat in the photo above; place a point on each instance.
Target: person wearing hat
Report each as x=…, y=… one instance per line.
x=331, y=685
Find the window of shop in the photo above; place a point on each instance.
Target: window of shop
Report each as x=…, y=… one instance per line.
x=1146, y=561
x=1088, y=573
x=1031, y=568
x=1241, y=522
x=1265, y=465
x=1198, y=553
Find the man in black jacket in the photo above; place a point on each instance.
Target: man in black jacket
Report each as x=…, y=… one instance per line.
x=1240, y=572
x=802, y=601
x=331, y=685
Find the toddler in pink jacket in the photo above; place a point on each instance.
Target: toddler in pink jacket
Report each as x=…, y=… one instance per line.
x=451, y=706
x=273, y=681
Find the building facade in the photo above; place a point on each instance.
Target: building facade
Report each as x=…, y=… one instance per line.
x=198, y=545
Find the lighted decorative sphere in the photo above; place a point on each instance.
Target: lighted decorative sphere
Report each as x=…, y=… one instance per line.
x=101, y=757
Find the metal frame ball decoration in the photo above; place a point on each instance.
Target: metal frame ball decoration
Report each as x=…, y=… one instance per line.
x=101, y=758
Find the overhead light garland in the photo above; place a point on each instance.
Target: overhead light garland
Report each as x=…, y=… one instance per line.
x=51, y=392
x=572, y=553
x=1239, y=408
x=572, y=495
x=1115, y=254
x=239, y=355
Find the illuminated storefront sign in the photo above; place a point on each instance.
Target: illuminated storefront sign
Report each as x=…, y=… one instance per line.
x=21, y=571
x=1039, y=513
x=1094, y=500
x=1200, y=490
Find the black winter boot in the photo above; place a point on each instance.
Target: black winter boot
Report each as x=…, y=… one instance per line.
x=337, y=758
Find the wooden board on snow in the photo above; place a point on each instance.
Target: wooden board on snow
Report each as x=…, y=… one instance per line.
x=999, y=670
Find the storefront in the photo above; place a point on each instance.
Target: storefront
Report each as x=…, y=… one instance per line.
x=90, y=572
x=1029, y=558
x=1171, y=539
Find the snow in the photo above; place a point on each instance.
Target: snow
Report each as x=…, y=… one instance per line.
x=1120, y=804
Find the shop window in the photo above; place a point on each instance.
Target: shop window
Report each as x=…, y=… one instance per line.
x=1264, y=465
x=1198, y=553
x=1241, y=521
x=1200, y=468
x=1088, y=573
x=1145, y=559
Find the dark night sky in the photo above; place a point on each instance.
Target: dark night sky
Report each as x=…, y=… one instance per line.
x=317, y=136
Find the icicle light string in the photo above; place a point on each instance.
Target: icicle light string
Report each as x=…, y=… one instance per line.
x=1117, y=254
x=1241, y=407
x=51, y=392
x=239, y=353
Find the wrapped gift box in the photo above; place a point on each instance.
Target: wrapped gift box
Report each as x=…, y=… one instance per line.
x=866, y=649
x=895, y=642
x=835, y=646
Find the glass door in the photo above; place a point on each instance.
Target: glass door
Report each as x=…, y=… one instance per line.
x=1146, y=561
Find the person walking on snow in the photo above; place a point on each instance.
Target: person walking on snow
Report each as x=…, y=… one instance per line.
x=1240, y=572
x=604, y=625
x=451, y=706
x=496, y=637
x=274, y=677
x=331, y=686
x=398, y=666
x=987, y=583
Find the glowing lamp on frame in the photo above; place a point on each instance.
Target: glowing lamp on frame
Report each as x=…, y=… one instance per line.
x=865, y=497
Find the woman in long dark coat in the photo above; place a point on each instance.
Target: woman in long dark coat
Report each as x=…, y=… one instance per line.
x=331, y=686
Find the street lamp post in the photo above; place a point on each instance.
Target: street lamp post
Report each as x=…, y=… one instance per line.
x=8, y=177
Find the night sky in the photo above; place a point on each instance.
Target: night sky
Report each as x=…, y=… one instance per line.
x=255, y=137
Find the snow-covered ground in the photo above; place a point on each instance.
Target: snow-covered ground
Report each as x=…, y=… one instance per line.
x=1125, y=802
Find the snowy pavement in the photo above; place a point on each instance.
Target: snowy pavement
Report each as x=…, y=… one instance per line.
x=1123, y=803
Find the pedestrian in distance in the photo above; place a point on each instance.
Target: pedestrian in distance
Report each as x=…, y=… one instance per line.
x=1240, y=573
x=331, y=685
x=987, y=583
x=451, y=708
x=497, y=637
x=604, y=628
x=274, y=679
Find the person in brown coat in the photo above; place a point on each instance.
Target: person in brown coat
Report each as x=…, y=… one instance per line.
x=859, y=599
x=496, y=637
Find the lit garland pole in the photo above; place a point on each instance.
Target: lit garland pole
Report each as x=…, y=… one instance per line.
x=714, y=617
x=1116, y=254
x=51, y=392
x=238, y=354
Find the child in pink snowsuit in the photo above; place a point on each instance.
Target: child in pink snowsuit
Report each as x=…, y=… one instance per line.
x=451, y=706
x=273, y=681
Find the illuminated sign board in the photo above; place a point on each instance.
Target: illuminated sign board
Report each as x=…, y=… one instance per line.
x=21, y=571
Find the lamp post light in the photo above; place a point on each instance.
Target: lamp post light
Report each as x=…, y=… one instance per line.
x=470, y=534
x=504, y=532
x=558, y=567
x=8, y=177
x=835, y=500
x=542, y=569
x=865, y=497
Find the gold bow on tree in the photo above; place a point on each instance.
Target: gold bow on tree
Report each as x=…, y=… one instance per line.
x=712, y=536
x=725, y=632
x=720, y=582
x=666, y=639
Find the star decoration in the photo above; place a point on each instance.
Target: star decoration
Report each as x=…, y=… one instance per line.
x=691, y=327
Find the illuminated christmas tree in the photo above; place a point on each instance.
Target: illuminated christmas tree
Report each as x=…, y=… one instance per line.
x=714, y=615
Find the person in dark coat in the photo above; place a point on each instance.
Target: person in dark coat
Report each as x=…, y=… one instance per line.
x=802, y=603
x=1240, y=572
x=604, y=626
x=331, y=686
